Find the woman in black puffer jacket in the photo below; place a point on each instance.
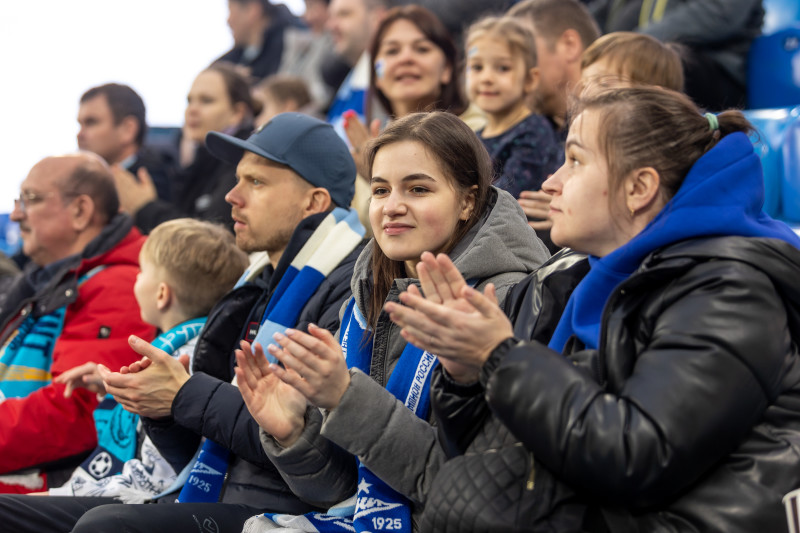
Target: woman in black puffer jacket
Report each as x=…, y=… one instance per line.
x=668, y=397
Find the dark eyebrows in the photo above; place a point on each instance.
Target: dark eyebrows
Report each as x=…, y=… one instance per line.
x=394, y=42
x=573, y=142
x=411, y=177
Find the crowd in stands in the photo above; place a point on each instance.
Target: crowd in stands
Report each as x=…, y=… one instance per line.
x=433, y=266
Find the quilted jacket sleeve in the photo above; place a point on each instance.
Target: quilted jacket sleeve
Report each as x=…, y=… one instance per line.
x=712, y=364
x=44, y=426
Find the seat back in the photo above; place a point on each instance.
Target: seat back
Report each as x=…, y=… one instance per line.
x=771, y=125
x=9, y=235
x=773, y=70
x=790, y=186
x=780, y=14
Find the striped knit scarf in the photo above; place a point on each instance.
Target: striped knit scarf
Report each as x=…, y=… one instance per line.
x=334, y=239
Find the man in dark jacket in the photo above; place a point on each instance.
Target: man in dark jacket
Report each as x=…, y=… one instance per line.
x=290, y=175
x=258, y=28
x=112, y=125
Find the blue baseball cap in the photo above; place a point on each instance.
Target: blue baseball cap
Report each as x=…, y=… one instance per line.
x=303, y=143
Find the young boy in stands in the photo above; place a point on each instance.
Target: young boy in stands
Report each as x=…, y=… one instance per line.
x=186, y=266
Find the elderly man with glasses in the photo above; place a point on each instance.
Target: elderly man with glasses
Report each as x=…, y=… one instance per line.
x=72, y=304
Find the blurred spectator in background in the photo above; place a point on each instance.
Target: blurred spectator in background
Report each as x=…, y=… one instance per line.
x=259, y=30
x=562, y=30
x=112, y=125
x=219, y=100
x=717, y=37
x=457, y=15
x=414, y=68
x=8, y=271
x=281, y=93
x=306, y=52
x=628, y=59
x=352, y=24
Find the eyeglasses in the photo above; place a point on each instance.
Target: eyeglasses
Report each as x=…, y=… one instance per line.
x=27, y=199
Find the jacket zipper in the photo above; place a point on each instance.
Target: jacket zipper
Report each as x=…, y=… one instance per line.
x=531, y=483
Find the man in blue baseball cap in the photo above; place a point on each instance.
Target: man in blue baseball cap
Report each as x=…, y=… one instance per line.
x=294, y=181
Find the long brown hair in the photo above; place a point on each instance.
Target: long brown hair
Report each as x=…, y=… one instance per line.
x=464, y=161
x=451, y=97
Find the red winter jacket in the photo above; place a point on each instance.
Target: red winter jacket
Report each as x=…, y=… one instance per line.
x=44, y=427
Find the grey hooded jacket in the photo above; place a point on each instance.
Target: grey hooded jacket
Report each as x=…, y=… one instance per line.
x=369, y=422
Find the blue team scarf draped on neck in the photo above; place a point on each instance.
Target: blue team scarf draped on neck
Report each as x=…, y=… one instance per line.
x=722, y=194
x=376, y=506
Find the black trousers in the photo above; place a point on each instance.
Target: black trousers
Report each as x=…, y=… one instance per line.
x=57, y=514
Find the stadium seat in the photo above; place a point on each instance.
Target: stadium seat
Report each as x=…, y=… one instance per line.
x=9, y=235
x=768, y=143
x=773, y=70
x=779, y=15
x=790, y=186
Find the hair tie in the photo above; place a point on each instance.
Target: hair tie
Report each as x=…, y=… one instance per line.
x=713, y=122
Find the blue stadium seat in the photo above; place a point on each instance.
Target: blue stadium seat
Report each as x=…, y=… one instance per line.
x=9, y=235
x=768, y=143
x=773, y=70
x=780, y=14
x=790, y=187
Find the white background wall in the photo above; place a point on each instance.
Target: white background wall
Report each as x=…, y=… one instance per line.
x=51, y=51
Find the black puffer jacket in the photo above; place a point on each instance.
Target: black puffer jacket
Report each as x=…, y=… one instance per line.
x=687, y=418
x=482, y=452
x=210, y=406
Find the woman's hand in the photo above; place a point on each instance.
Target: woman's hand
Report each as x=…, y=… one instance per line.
x=536, y=205
x=454, y=321
x=314, y=365
x=277, y=407
x=358, y=135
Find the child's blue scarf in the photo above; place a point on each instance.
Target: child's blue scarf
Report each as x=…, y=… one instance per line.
x=116, y=427
x=722, y=194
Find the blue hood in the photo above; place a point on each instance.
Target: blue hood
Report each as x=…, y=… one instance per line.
x=722, y=194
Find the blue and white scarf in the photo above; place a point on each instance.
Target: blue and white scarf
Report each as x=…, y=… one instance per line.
x=377, y=506
x=335, y=238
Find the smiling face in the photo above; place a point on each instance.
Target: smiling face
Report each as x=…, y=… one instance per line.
x=209, y=107
x=585, y=210
x=415, y=207
x=409, y=68
x=497, y=80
